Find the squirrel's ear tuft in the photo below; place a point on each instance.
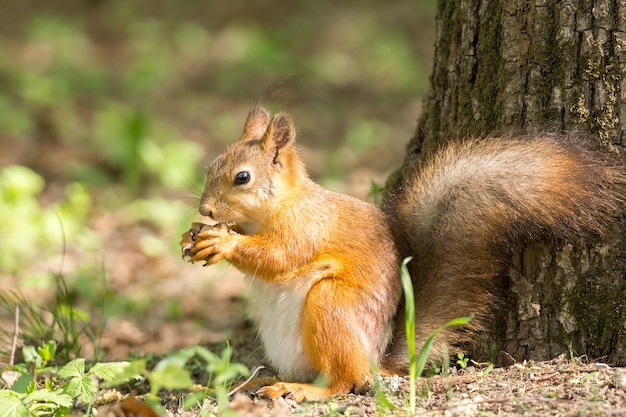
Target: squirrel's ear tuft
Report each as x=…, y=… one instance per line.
x=256, y=123
x=280, y=133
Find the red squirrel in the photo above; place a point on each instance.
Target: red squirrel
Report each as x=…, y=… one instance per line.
x=325, y=267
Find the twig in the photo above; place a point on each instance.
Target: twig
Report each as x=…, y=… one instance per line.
x=244, y=383
x=544, y=377
x=16, y=332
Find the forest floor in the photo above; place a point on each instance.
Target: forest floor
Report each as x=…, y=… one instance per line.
x=563, y=386
x=560, y=387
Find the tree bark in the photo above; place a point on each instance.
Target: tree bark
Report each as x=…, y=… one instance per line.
x=523, y=67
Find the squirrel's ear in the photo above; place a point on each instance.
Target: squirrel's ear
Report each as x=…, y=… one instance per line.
x=280, y=133
x=256, y=123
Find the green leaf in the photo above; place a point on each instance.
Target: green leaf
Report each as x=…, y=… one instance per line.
x=423, y=356
x=109, y=370
x=18, y=182
x=206, y=354
x=47, y=398
x=381, y=398
x=178, y=359
x=123, y=374
x=156, y=406
x=25, y=384
x=231, y=373
x=63, y=412
x=48, y=350
x=72, y=313
x=170, y=377
x=459, y=321
x=11, y=405
x=194, y=399
x=409, y=323
x=83, y=389
x=31, y=356
x=74, y=369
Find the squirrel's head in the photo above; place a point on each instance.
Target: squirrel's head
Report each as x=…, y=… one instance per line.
x=253, y=177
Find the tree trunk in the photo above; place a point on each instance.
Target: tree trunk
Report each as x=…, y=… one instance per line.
x=522, y=67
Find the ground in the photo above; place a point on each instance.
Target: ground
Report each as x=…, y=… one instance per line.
x=559, y=387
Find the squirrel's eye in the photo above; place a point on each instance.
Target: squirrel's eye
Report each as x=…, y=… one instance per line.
x=242, y=177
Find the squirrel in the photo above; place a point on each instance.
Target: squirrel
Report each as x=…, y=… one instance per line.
x=324, y=268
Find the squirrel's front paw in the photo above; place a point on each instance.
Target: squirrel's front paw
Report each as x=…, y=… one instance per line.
x=207, y=243
x=188, y=239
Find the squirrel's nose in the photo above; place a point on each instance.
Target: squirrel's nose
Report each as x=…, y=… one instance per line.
x=206, y=210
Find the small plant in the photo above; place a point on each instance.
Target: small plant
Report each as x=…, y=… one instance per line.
x=572, y=356
x=333, y=409
x=418, y=363
x=168, y=373
x=461, y=360
x=486, y=371
x=409, y=323
x=222, y=373
x=37, y=359
x=171, y=373
x=25, y=400
x=68, y=326
x=56, y=394
x=382, y=402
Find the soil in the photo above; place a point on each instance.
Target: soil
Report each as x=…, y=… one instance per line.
x=563, y=387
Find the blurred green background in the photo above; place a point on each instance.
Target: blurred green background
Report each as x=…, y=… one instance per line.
x=110, y=109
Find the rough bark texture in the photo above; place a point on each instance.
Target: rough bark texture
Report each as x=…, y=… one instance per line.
x=522, y=67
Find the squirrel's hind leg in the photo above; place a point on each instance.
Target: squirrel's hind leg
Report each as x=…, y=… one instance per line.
x=296, y=391
x=335, y=338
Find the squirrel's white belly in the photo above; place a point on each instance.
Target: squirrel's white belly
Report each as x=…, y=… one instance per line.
x=277, y=310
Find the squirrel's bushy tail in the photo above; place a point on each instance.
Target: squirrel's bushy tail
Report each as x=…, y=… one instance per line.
x=473, y=203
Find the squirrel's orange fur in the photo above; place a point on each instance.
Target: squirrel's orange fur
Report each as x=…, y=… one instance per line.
x=324, y=267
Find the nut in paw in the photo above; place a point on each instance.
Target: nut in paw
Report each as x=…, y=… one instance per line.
x=212, y=244
x=188, y=239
